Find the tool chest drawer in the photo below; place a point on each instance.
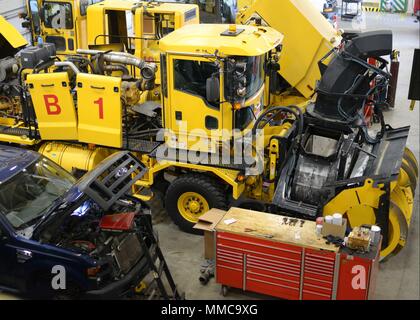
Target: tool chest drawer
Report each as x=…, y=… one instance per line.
x=318, y=275
x=267, y=267
x=260, y=285
x=230, y=267
x=261, y=247
x=276, y=277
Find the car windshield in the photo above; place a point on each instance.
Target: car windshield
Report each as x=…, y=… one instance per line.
x=254, y=74
x=29, y=195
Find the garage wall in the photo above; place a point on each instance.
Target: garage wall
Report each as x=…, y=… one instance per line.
x=10, y=9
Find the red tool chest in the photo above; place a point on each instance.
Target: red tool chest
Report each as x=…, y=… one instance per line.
x=280, y=268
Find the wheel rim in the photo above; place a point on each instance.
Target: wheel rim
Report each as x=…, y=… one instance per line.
x=192, y=206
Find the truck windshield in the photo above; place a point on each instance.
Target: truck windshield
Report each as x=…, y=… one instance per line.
x=28, y=195
x=254, y=74
x=58, y=15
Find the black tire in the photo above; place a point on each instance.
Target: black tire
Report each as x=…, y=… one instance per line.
x=207, y=187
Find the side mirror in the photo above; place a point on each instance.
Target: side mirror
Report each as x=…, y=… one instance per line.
x=26, y=25
x=213, y=89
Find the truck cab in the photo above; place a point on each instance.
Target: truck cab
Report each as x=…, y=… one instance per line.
x=62, y=22
x=213, y=78
x=48, y=220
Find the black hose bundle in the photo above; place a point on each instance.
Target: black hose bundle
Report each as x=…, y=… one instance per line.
x=294, y=110
x=297, y=113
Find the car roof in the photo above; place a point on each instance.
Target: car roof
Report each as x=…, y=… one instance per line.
x=14, y=160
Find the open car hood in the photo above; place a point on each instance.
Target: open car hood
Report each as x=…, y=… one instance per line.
x=106, y=184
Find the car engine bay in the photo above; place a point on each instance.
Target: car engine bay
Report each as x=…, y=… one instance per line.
x=112, y=240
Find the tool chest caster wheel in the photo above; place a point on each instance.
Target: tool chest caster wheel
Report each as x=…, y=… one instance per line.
x=225, y=291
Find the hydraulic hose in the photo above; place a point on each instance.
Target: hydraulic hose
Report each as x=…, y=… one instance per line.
x=291, y=109
x=276, y=110
x=378, y=138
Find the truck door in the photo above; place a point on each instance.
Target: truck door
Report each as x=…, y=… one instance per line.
x=191, y=114
x=59, y=25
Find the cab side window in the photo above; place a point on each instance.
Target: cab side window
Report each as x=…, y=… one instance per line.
x=191, y=77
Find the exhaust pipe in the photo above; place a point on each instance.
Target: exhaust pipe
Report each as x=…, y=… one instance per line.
x=148, y=70
x=69, y=64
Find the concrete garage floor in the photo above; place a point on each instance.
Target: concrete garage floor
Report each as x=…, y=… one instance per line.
x=399, y=276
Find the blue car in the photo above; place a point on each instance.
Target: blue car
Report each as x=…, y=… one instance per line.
x=68, y=239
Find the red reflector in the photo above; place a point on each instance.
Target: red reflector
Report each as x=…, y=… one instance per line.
x=118, y=222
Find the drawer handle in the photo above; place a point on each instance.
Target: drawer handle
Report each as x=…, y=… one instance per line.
x=219, y=254
x=271, y=283
x=319, y=256
x=277, y=258
x=318, y=271
x=222, y=254
x=324, y=263
x=330, y=282
x=230, y=268
x=318, y=287
x=276, y=278
x=317, y=294
x=274, y=261
x=229, y=260
x=229, y=248
x=230, y=253
x=280, y=271
x=318, y=264
x=277, y=267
